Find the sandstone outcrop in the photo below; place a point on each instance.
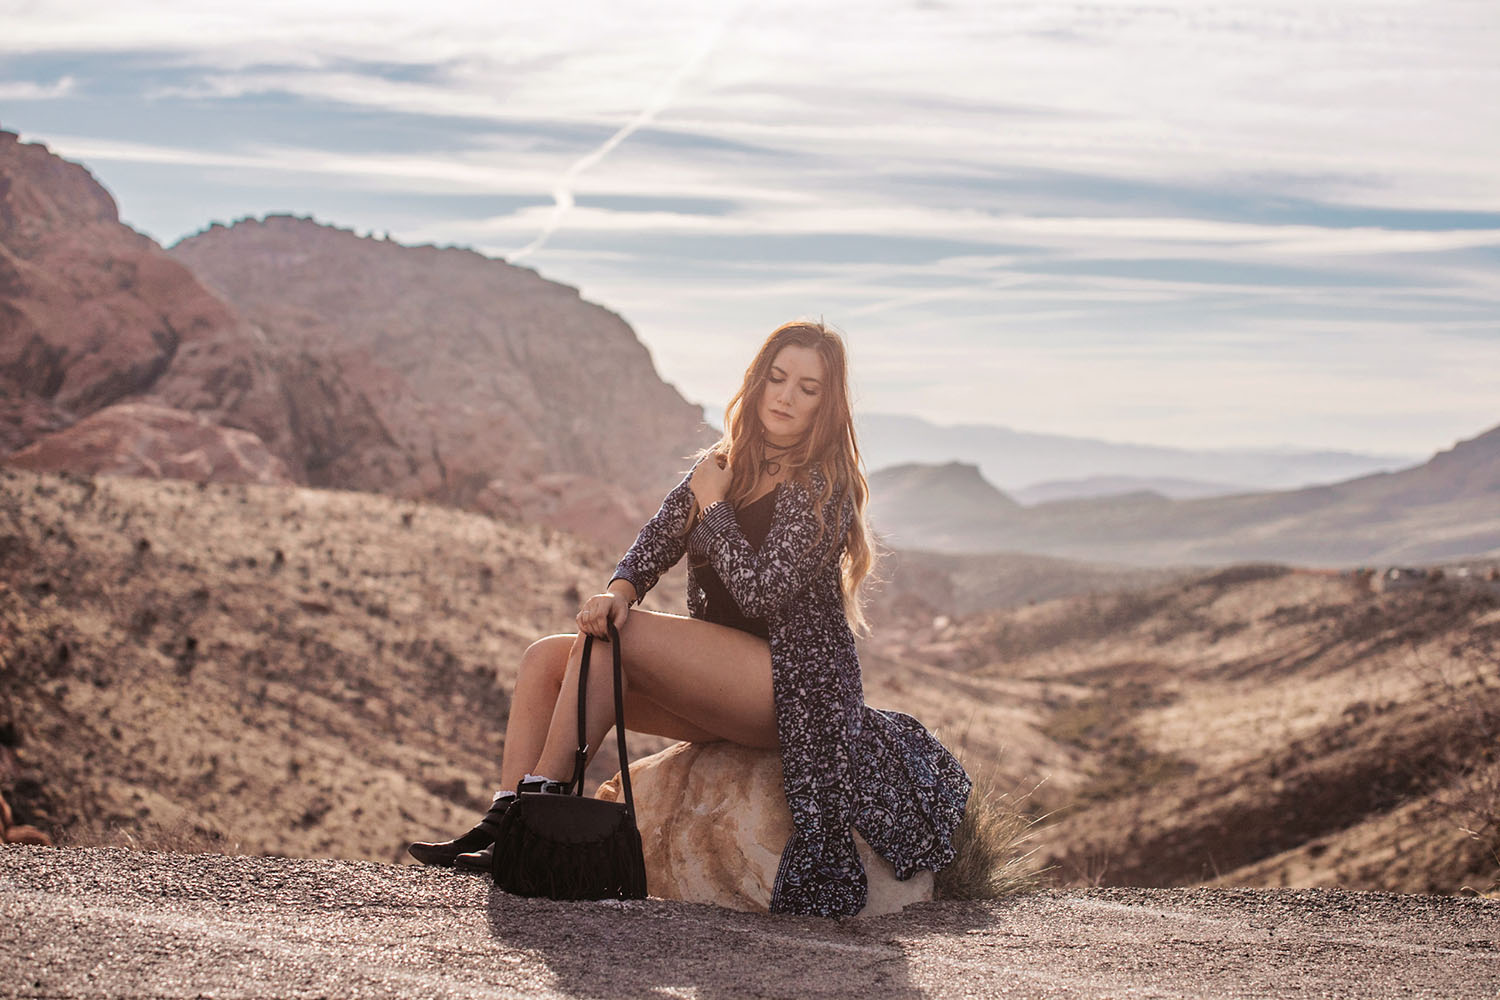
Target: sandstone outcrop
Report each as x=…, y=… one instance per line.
x=12, y=832
x=714, y=820
x=485, y=377
x=90, y=311
x=141, y=439
x=418, y=372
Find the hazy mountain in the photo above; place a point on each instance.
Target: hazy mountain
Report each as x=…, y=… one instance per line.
x=939, y=504
x=1015, y=459
x=1104, y=486
x=1443, y=509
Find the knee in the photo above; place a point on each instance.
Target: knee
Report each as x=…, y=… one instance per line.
x=548, y=658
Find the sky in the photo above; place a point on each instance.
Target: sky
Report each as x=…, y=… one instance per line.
x=1236, y=224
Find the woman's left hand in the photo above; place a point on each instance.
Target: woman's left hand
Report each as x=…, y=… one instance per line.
x=710, y=480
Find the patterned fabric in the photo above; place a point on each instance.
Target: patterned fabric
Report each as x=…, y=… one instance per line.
x=754, y=519
x=845, y=766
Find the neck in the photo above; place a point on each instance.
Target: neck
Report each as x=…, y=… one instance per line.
x=777, y=442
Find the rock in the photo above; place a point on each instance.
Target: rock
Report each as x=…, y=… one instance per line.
x=361, y=364
x=93, y=313
x=27, y=835
x=22, y=834
x=139, y=439
x=480, y=373
x=582, y=505
x=714, y=820
x=90, y=310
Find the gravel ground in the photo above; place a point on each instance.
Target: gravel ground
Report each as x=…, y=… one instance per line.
x=114, y=923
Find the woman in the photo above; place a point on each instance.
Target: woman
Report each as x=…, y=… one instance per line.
x=772, y=519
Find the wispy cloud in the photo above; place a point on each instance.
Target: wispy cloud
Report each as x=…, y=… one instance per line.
x=562, y=191
x=1047, y=214
x=28, y=90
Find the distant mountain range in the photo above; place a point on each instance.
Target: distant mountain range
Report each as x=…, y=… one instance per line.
x=1035, y=468
x=1445, y=508
x=1073, y=466
x=1173, y=487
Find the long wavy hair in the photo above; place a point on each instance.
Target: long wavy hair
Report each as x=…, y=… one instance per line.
x=829, y=444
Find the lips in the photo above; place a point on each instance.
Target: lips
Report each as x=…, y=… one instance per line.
x=783, y=416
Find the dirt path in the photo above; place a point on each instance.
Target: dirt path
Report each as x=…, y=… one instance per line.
x=111, y=923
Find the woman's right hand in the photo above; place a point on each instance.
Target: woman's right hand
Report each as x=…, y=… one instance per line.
x=599, y=610
x=710, y=480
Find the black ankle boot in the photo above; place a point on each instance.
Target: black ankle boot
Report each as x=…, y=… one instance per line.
x=482, y=836
x=476, y=860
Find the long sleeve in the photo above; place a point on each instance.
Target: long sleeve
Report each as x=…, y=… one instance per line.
x=763, y=581
x=661, y=541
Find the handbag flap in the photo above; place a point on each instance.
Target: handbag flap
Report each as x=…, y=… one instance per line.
x=568, y=819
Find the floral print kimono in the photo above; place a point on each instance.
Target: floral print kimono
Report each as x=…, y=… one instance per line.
x=845, y=766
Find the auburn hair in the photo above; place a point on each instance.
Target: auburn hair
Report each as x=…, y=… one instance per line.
x=829, y=444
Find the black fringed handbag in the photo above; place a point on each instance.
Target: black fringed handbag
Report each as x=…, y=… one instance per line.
x=569, y=846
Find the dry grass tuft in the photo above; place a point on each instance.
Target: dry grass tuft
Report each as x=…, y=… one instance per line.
x=991, y=843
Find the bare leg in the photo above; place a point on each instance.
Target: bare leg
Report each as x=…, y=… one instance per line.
x=714, y=679
x=536, y=705
x=531, y=705
x=685, y=679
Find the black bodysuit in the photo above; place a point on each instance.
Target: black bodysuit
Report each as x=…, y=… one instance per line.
x=755, y=523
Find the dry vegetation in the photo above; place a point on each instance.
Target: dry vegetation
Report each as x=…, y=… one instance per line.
x=261, y=669
x=994, y=847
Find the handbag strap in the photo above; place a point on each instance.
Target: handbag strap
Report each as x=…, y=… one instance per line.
x=581, y=761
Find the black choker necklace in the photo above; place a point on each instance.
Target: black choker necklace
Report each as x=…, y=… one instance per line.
x=772, y=466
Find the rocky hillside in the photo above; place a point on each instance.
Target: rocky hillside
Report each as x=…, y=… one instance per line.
x=91, y=313
x=318, y=358
x=1446, y=508
x=483, y=378
x=1252, y=726
x=259, y=669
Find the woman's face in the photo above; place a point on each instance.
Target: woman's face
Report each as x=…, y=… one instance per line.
x=793, y=392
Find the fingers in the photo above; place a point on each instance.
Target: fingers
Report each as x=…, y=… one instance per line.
x=598, y=611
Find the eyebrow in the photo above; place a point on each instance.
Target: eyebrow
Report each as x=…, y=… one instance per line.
x=806, y=378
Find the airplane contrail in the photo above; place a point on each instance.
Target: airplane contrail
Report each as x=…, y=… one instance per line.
x=562, y=191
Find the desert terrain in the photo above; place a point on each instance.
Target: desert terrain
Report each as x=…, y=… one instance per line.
x=281, y=508
x=1256, y=725
x=261, y=669
x=274, y=669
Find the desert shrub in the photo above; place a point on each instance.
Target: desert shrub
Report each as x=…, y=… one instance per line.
x=992, y=859
x=1466, y=690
